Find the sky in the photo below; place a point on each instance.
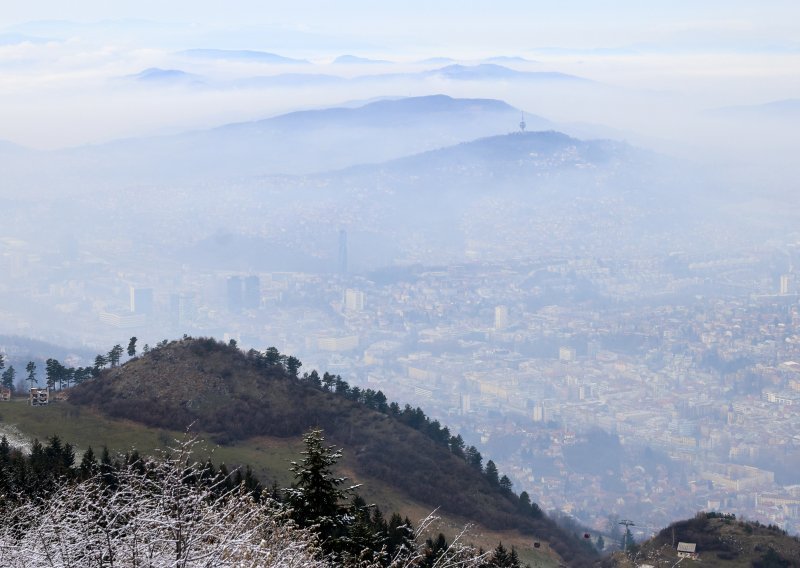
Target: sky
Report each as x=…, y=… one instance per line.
x=571, y=23
x=63, y=65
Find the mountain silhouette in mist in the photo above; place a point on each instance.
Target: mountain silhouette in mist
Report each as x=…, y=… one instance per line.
x=356, y=60
x=155, y=75
x=300, y=142
x=492, y=72
x=241, y=55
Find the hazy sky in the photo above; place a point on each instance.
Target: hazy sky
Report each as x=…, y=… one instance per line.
x=584, y=23
x=70, y=87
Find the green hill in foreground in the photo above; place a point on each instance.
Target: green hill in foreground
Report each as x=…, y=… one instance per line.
x=232, y=398
x=720, y=540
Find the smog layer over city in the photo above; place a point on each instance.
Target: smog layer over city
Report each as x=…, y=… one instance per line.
x=567, y=231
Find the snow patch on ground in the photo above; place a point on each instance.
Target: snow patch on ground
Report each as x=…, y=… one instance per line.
x=15, y=438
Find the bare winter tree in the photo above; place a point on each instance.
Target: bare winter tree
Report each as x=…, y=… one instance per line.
x=157, y=515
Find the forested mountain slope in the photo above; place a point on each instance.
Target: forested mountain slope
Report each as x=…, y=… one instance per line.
x=217, y=389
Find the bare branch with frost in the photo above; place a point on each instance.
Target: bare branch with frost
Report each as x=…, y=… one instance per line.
x=170, y=512
x=158, y=515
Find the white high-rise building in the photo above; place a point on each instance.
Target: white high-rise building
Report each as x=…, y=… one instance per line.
x=346, y=343
x=466, y=404
x=500, y=317
x=353, y=300
x=784, y=284
x=566, y=354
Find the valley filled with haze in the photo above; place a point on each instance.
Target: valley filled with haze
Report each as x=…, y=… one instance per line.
x=568, y=234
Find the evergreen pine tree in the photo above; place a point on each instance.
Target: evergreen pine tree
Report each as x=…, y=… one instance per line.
x=500, y=556
x=364, y=540
x=5, y=466
x=473, y=457
x=88, y=465
x=293, y=365
x=39, y=469
x=433, y=550
x=99, y=362
x=132, y=347
x=491, y=473
x=5, y=451
x=52, y=372
x=313, y=379
x=272, y=356
x=400, y=534
x=316, y=495
x=107, y=469
x=8, y=377
x=115, y=355
x=31, y=368
x=505, y=485
x=457, y=446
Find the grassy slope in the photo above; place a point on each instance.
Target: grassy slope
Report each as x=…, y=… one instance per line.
x=86, y=427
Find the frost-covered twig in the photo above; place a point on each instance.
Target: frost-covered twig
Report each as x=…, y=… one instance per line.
x=158, y=514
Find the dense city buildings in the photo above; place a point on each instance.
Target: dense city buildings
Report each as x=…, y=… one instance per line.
x=680, y=374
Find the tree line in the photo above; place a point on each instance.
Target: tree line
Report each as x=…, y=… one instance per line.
x=271, y=358
x=128, y=510
x=242, y=414
x=414, y=418
x=62, y=376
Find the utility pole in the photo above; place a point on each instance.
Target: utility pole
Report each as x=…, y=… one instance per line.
x=627, y=524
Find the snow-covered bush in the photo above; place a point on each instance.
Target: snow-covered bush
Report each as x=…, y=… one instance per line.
x=171, y=512
x=154, y=513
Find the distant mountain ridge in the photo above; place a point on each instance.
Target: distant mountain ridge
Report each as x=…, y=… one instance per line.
x=497, y=150
x=387, y=112
x=508, y=59
x=491, y=71
x=497, y=192
x=299, y=142
x=501, y=159
x=241, y=55
x=155, y=75
x=356, y=60
x=451, y=72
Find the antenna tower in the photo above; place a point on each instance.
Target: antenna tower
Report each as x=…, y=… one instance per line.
x=522, y=124
x=627, y=524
